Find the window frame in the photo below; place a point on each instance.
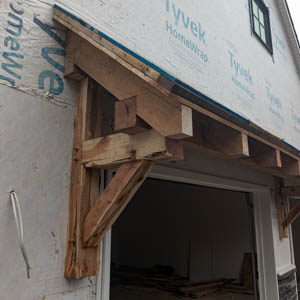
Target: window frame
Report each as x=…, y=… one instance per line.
x=267, y=26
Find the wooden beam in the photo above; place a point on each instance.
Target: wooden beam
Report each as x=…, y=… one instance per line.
x=291, y=191
x=264, y=155
x=168, y=117
x=114, y=199
x=71, y=71
x=290, y=165
x=80, y=262
x=126, y=118
x=292, y=215
x=281, y=203
x=113, y=150
x=218, y=137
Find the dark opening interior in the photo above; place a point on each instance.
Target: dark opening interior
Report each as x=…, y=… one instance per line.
x=181, y=240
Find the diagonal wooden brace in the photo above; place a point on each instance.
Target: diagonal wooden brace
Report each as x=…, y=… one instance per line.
x=114, y=199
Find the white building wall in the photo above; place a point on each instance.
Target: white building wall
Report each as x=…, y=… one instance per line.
x=36, y=139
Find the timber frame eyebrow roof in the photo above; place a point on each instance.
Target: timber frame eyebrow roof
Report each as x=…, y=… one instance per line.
x=290, y=30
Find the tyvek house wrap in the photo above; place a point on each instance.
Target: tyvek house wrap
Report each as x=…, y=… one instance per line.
x=32, y=50
x=208, y=46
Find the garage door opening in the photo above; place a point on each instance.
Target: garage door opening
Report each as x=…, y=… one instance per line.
x=182, y=240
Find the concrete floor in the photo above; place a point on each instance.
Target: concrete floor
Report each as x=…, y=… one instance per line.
x=138, y=293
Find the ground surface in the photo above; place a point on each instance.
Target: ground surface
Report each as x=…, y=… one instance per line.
x=141, y=293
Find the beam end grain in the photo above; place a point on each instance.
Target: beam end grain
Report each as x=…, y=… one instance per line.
x=126, y=119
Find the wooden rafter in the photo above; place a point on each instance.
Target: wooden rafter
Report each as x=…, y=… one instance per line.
x=290, y=165
x=114, y=199
x=264, y=155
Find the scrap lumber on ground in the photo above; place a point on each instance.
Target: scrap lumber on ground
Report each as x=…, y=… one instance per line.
x=162, y=278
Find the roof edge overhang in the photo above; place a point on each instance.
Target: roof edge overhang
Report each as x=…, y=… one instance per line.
x=291, y=32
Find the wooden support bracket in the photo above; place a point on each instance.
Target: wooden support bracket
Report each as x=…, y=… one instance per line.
x=133, y=154
x=286, y=217
x=292, y=215
x=114, y=199
x=168, y=117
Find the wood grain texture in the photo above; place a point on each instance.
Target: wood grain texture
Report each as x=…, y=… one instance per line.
x=113, y=150
x=114, y=199
x=126, y=119
x=168, y=117
x=219, y=137
x=80, y=262
x=264, y=155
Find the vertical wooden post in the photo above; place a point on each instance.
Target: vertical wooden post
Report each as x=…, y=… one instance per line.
x=81, y=262
x=281, y=202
